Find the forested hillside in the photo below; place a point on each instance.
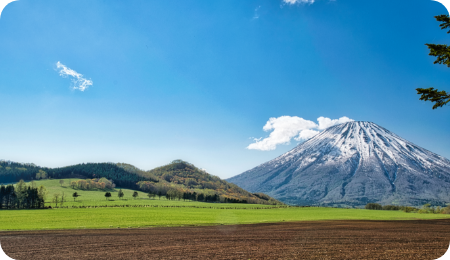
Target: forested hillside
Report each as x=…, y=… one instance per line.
x=13, y=172
x=177, y=180
x=181, y=177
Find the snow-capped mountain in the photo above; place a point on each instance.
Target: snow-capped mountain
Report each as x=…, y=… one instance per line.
x=353, y=164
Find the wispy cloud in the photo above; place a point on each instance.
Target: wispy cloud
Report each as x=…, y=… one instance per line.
x=291, y=2
x=286, y=128
x=79, y=82
x=256, y=14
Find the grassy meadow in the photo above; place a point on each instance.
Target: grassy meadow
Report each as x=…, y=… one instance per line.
x=183, y=216
x=155, y=212
x=97, y=197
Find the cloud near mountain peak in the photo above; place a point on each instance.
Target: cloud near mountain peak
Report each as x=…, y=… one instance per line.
x=286, y=128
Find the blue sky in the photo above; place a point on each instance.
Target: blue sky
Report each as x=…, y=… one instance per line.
x=198, y=80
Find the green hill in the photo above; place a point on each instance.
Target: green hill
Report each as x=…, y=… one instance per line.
x=177, y=180
x=185, y=177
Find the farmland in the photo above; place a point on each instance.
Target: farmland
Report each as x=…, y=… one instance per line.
x=134, y=217
x=299, y=240
x=211, y=230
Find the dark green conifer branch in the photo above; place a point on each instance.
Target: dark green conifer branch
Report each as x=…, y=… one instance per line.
x=440, y=98
x=442, y=54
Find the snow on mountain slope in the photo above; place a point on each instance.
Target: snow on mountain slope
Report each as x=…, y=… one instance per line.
x=350, y=165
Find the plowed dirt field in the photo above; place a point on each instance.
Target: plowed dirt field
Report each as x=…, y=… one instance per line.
x=421, y=239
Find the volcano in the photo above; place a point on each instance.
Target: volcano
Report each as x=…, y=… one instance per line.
x=353, y=164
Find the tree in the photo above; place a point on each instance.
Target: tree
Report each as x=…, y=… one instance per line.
x=42, y=194
x=42, y=174
x=442, y=52
x=75, y=195
x=61, y=202
x=9, y=196
x=56, y=198
x=61, y=182
x=20, y=196
x=82, y=184
x=21, y=193
x=108, y=183
x=200, y=197
x=159, y=194
x=3, y=195
x=120, y=194
x=151, y=195
x=135, y=194
x=107, y=195
x=73, y=184
x=374, y=206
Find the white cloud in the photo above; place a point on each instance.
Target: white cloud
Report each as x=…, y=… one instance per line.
x=325, y=122
x=306, y=134
x=286, y=128
x=78, y=81
x=291, y=2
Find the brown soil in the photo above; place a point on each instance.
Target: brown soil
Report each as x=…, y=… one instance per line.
x=299, y=240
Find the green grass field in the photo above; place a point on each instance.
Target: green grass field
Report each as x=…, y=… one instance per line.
x=97, y=197
x=161, y=216
x=172, y=213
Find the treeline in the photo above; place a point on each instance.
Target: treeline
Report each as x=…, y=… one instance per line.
x=178, y=194
x=22, y=196
x=173, y=193
x=93, y=184
x=427, y=208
